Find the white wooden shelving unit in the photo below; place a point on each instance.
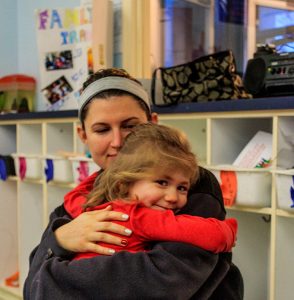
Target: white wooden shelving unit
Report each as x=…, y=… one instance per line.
x=218, y=132
x=26, y=204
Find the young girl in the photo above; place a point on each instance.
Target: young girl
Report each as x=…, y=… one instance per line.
x=149, y=181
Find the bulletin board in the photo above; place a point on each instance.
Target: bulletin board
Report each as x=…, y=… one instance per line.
x=64, y=39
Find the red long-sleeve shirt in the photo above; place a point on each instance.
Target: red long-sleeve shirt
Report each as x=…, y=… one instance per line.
x=150, y=225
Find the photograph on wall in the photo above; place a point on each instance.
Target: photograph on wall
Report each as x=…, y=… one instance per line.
x=57, y=90
x=58, y=60
x=64, y=38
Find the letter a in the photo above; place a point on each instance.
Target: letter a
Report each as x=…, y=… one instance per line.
x=55, y=18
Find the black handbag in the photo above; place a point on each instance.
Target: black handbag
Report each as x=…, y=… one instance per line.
x=207, y=78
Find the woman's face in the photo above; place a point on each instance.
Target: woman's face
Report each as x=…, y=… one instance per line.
x=107, y=123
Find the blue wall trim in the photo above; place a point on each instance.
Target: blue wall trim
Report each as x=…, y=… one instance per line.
x=277, y=103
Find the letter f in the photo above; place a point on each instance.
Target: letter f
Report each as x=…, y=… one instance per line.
x=43, y=16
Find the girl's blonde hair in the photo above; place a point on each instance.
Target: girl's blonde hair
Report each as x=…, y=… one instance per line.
x=149, y=149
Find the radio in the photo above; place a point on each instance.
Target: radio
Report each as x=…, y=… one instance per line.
x=270, y=73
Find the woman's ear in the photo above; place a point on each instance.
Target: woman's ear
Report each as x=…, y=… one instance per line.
x=82, y=134
x=154, y=118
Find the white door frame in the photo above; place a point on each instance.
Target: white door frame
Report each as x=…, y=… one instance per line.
x=251, y=48
x=251, y=28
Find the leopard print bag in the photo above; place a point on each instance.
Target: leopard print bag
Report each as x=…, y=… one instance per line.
x=207, y=78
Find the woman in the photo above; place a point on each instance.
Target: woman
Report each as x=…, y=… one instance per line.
x=111, y=104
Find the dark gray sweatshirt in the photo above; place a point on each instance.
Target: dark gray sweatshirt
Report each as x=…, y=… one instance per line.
x=168, y=271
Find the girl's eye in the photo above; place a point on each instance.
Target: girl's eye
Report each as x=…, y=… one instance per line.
x=162, y=182
x=182, y=188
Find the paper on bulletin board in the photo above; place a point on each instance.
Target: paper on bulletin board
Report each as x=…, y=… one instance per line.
x=64, y=37
x=257, y=153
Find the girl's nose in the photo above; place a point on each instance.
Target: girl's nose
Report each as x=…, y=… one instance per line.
x=171, y=195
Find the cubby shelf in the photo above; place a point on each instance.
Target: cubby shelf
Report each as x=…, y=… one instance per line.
x=218, y=132
x=9, y=293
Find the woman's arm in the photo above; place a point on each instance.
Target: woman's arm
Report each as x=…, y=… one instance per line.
x=168, y=271
x=83, y=232
x=180, y=267
x=49, y=246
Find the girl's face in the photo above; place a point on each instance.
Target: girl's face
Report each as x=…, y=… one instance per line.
x=107, y=123
x=162, y=191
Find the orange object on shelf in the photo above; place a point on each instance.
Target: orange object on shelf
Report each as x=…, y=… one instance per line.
x=17, y=93
x=229, y=187
x=17, y=82
x=13, y=280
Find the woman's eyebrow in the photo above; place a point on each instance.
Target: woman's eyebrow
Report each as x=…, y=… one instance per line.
x=99, y=124
x=130, y=119
x=107, y=124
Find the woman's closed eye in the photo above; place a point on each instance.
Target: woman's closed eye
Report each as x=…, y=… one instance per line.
x=101, y=130
x=129, y=126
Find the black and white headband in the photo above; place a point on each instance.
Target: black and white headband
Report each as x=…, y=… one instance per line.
x=109, y=83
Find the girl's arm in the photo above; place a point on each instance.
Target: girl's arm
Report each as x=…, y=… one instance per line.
x=208, y=233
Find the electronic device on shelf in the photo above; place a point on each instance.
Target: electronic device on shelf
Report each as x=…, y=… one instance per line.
x=270, y=73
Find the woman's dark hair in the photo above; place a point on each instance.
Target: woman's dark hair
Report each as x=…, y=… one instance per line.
x=112, y=92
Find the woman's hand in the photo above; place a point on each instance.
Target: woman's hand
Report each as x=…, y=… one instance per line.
x=83, y=233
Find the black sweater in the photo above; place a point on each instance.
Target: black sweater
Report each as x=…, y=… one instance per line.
x=168, y=271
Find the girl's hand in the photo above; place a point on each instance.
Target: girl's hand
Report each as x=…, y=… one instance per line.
x=83, y=233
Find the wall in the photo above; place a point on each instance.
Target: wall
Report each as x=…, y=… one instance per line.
x=8, y=37
x=18, y=51
x=27, y=31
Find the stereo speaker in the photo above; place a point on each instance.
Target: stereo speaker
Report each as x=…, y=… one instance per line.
x=270, y=75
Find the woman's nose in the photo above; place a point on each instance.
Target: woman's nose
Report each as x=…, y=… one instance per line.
x=117, y=139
